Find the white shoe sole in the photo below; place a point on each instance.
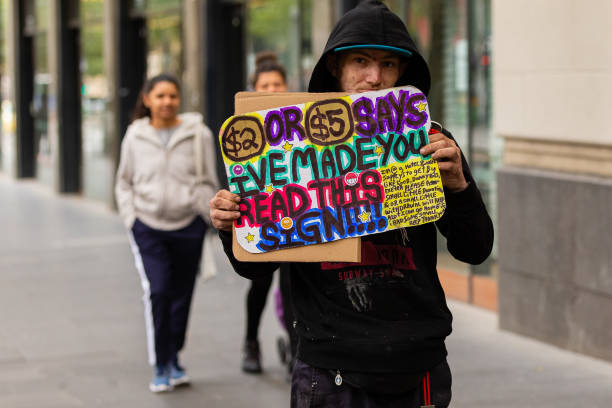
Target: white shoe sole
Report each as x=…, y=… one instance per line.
x=160, y=388
x=180, y=381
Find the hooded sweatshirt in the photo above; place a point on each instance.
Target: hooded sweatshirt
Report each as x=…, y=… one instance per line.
x=386, y=315
x=371, y=23
x=157, y=182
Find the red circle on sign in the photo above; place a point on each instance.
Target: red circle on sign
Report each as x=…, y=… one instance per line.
x=350, y=179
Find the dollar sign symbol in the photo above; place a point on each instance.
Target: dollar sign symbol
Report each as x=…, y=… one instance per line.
x=316, y=122
x=249, y=141
x=231, y=144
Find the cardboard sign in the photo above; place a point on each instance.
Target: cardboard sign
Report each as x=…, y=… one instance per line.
x=327, y=170
x=344, y=250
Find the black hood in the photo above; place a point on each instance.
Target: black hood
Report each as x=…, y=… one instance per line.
x=371, y=23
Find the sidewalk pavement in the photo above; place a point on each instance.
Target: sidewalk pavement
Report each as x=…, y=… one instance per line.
x=72, y=332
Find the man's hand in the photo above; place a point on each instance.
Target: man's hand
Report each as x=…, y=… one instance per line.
x=224, y=210
x=446, y=152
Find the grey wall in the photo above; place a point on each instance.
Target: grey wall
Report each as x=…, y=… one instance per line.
x=555, y=240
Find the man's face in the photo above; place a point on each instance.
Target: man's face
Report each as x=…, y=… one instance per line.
x=366, y=69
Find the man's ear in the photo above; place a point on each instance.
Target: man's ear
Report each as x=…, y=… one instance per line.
x=332, y=64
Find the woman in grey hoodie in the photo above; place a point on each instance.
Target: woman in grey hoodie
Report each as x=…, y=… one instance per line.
x=165, y=179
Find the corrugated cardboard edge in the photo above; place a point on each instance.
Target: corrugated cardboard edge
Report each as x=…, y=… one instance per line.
x=343, y=250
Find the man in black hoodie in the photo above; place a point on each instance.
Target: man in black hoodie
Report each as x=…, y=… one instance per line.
x=372, y=333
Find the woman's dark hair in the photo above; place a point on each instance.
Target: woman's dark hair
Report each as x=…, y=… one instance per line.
x=266, y=61
x=140, y=110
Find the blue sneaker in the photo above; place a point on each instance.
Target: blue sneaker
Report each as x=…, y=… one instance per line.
x=161, y=380
x=178, y=376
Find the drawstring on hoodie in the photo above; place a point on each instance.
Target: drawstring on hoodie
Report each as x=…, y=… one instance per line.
x=405, y=239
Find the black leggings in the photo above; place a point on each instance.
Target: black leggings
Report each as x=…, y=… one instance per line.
x=255, y=303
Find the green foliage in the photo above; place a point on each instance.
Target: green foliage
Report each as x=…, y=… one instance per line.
x=92, y=39
x=269, y=22
x=162, y=5
x=91, y=9
x=92, y=36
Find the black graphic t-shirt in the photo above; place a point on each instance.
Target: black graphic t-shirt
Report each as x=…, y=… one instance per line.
x=370, y=313
x=387, y=313
x=383, y=265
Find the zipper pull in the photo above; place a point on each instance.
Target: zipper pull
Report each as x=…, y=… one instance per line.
x=338, y=379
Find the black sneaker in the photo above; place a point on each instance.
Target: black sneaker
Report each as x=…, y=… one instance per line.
x=251, y=362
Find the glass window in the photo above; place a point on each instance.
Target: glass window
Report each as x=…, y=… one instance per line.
x=40, y=100
x=282, y=26
x=164, y=36
x=441, y=31
x=97, y=163
x=487, y=149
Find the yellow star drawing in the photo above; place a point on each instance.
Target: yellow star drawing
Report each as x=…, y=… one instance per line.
x=269, y=188
x=421, y=106
x=287, y=146
x=364, y=217
x=250, y=237
x=379, y=150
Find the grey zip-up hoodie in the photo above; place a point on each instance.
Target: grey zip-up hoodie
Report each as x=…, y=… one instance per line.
x=159, y=184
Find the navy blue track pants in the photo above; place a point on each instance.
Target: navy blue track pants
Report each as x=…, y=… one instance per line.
x=168, y=263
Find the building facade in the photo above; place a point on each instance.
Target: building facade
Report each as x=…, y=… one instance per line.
x=553, y=87
x=71, y=71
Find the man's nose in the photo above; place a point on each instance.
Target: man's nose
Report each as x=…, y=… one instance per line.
x=374, y=74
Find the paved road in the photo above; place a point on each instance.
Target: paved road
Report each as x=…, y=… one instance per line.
x=72, y=332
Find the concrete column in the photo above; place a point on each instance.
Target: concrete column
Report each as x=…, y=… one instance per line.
x=53, y=38
x=9, y=109
x=193, y=77
x=22, y=74
x=111, y=71
x=323, y=20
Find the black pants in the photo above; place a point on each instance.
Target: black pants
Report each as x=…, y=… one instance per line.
x=255, y=303
x=168, y=262
x=313, y=387
x=288, y=315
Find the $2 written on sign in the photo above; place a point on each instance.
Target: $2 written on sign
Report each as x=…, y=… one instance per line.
x=331, y=169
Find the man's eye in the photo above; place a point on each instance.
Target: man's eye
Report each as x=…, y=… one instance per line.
x=360, y=60
x=389, y=64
